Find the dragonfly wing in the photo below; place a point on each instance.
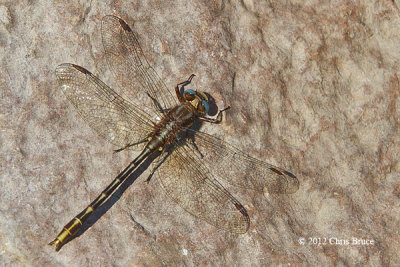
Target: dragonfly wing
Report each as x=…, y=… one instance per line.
x=237, y=168
x=190, y=185
x=130, y=67
x=117, y=120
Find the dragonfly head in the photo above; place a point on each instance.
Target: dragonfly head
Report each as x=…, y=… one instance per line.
x=198, y=100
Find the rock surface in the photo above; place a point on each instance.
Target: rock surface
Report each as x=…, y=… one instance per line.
x=313, y=87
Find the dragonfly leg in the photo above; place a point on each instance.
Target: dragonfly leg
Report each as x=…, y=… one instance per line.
x=196, y=148
x=133, y=144
x=156, y=167
x=157, y=104
x=180, y=87
x=218, y=119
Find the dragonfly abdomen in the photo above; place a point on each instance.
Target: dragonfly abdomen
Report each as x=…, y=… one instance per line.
x=73, y=226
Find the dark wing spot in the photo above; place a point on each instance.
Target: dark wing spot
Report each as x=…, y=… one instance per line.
x=276, y=171
x=124, y=25
x=290, y=174
x=241, y=209
x=83, y=70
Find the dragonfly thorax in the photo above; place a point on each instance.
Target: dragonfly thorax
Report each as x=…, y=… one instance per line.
x=198, y=100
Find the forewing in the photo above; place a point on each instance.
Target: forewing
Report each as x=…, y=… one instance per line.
x=237, y=168
x=112, y=117
x=188, y=182
x=130, y=67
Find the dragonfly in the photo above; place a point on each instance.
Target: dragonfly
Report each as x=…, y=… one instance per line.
x=143, y=115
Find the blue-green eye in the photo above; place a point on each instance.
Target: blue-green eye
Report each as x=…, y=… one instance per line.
x=190, y=92
x=205, y=106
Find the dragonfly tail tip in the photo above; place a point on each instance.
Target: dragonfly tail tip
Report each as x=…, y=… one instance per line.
x=55, y=243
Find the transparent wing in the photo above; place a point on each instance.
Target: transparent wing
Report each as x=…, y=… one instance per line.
x=190, y=185
x=130, y=67
x=112, y=117
x=239, y=169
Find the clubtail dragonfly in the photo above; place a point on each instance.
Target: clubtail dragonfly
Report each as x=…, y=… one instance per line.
x=189, y=161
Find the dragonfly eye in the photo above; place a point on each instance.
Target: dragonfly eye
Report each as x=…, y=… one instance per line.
x=204, y=107
x=189, y=95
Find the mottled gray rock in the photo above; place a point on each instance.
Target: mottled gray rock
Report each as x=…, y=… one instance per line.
x=313, y=87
